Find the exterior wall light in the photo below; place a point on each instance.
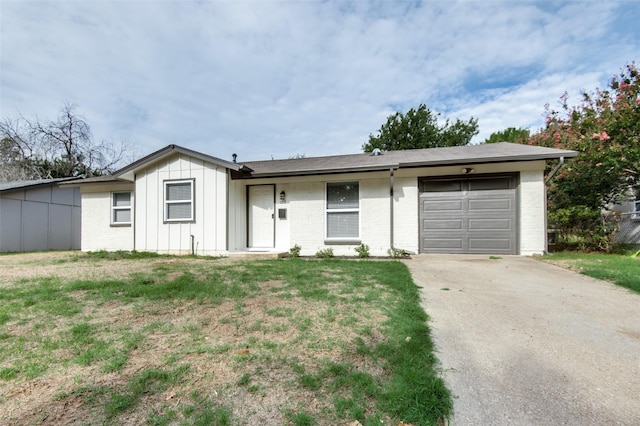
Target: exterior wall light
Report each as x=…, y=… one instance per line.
x=283, y=197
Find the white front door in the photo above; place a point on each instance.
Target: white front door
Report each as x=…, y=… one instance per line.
x=261, y=216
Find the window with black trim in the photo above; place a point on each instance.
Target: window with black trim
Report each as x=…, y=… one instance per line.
x=121, y=208
x=343, y=210
x=178, y=201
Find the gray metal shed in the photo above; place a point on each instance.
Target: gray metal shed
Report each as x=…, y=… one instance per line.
x=39, y=215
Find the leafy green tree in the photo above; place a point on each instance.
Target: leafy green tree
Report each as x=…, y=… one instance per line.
x=510, y=134
x=419, y=128
x=605, y=129
x=36, y=149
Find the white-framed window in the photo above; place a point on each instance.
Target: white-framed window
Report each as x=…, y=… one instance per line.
x=636, y=209
x=121, y=208
x=343, y=210
x=178, y=200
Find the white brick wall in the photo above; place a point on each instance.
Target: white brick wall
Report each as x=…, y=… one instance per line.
x=306, y=214
x=532, y=213
x=306, y=218
x=305, y=224
x=97, y=232
x=405, y=214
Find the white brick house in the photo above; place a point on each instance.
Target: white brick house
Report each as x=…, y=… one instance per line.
x=472, y=199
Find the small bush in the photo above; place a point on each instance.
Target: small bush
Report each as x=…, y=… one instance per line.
x=362, y=250
x=325, y=253
x=295, y=251
x=396, y=253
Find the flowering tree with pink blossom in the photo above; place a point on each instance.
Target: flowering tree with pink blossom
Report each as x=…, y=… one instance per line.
x=605, y=129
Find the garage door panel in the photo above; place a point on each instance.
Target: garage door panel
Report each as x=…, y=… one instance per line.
x=434, y=224
x=491, y=224
x=443, y=243
x=442, y=205
x=497, y=204
x=492, y=184
x=493, y=244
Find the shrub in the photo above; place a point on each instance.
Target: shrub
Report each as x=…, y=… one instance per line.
x=325, y=253
x=295, y=251
x=362, y=250
x=396, y=253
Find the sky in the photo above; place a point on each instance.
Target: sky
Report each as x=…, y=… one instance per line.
x=279, y=79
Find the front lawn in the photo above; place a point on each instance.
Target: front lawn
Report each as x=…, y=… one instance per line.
x=622, y=270
x=114, y=339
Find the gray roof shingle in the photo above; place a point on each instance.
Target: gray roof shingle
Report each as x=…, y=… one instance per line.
x=431, y=157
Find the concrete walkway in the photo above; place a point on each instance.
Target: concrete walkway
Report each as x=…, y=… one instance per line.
x=522, y=342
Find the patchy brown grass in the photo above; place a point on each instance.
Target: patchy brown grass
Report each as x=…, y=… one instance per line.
x=244, y=355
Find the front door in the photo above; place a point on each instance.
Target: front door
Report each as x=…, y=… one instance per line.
x=261, y=216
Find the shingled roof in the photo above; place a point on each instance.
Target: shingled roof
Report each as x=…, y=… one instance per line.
x=431, y=157
x=365, y=162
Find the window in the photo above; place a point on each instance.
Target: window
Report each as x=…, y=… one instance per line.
x=178, y=200
x=636, y=209
x=343, y=210
x=121, y=208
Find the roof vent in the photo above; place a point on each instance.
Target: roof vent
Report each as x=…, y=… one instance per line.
x=235, y=156
x=376, y=152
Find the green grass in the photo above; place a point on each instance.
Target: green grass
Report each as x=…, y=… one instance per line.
x=327, y=323
x=144, y=382
x=622, y=270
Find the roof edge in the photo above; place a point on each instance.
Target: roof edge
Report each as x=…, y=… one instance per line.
x=321, y=172
x=179, y=149
x=34, y=183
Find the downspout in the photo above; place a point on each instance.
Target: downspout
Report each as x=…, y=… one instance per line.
x=546, y=225
x=391, y=236
x=227, y=223
x=135, y=210
x=554, y=171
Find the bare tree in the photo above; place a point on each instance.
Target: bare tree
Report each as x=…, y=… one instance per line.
x=32, y=149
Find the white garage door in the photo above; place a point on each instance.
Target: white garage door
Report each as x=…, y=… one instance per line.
x=468, y=215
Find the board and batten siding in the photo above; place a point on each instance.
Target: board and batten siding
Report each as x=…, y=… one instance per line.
x=97, y=231
x=209, y=226
x=41, y=218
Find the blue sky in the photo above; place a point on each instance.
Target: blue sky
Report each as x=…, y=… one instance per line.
x=275, y=79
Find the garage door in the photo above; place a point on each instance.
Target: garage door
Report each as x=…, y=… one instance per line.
x=468, y=215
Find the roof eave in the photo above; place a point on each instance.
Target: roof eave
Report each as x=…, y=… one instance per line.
x=101, y=180
x=290, y=173
x=492, y=160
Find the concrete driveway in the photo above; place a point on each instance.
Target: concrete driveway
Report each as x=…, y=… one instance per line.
x=522, y=342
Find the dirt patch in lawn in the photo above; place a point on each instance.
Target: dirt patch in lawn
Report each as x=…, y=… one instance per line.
x=74, y=265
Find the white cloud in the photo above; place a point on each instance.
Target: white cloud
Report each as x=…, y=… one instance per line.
x=524, y=106
x=282, y=78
